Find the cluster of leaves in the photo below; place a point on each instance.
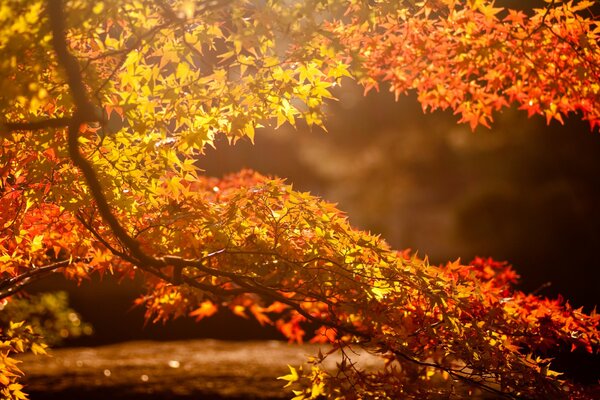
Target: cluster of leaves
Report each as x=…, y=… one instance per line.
x=475, y=58
x=111, y=104
x=49, y=322
x=485, y=310
x=262, y=249
x=14, y=339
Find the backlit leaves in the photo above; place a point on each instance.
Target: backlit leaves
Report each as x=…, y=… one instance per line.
x=16, y=338
x=166, y=78
x=306, y=263
x=476, y=59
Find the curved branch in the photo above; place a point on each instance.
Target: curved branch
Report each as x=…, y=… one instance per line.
x=84, y=111
x=9, y=287
x=61, y=122
x=456, y=374
x=272, y=294
x=57, y=19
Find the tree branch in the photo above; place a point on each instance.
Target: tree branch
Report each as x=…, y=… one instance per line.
x=57, y=19
x=61, y=122
x=84, y=111
x=9, y=287
x=272, y=294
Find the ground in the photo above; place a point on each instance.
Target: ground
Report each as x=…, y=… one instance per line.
x=179, y=370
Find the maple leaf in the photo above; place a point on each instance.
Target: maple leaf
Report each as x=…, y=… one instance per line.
x=206, y=309
x=102, y=131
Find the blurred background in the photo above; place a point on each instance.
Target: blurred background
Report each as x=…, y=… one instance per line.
x=523, y=192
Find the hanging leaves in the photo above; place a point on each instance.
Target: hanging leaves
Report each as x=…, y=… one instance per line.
x=107, y=108
x=475, y=58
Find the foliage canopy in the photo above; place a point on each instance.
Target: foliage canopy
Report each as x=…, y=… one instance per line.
x=107, y=107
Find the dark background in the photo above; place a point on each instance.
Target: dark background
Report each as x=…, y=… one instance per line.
x=522, y=192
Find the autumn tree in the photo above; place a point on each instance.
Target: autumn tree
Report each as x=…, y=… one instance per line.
x=108, y=106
